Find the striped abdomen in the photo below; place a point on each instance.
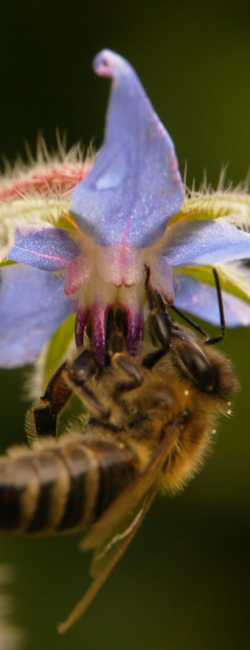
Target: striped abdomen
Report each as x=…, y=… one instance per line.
x=62, y=485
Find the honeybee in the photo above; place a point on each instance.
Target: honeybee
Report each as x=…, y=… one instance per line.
x=151, y=419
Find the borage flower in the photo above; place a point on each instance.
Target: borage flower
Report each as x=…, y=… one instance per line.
x=128, y=212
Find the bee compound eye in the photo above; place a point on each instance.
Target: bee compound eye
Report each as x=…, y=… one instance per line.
x=202, y=370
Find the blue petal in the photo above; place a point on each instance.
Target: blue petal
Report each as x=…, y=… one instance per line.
x=134, y=186
x=205, y=242
x=32, y=305
x=47, y=248
x=201, y=300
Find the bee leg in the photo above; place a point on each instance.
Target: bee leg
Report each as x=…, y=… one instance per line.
x=76, y=376
x=152, y=358
x=160, y=323
x=129, y=368
x=51, y=403
x=116, y=344
x=44, y=416
x=216, y=339
x=84, y=366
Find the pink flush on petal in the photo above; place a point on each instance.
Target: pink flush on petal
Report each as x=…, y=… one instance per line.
x=78, y=273
x=44, y=178
x=120, y=265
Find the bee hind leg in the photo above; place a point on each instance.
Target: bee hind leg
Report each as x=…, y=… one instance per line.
x=42, y=418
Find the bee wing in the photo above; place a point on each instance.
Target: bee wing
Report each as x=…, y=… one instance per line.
x=114, y=553
x=111, y=535
x=101, y=534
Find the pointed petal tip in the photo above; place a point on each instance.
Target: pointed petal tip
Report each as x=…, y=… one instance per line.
x=134, y=187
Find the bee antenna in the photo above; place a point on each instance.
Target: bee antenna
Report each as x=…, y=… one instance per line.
x=216, y=339
x=187, y=319
x=156, y=299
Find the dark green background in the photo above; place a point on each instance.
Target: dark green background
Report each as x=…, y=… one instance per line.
x=184, y=583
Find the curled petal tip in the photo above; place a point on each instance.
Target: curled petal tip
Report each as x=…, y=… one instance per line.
x=108, y=64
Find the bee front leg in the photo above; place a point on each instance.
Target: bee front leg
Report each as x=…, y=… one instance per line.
x=77, y=375
x=160, y=323
x=128, y=366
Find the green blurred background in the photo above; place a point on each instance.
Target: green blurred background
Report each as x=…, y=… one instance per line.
x=184, y=582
